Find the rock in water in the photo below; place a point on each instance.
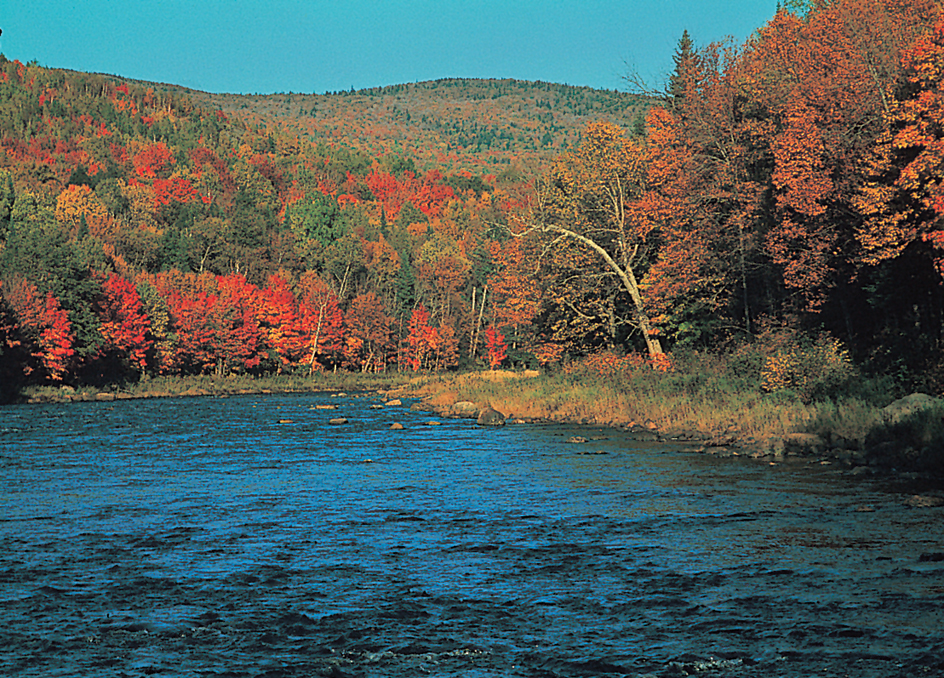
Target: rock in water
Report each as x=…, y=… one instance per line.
x=491, y=417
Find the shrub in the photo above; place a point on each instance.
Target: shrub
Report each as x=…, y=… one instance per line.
x=548, y=354
x=606, y=363
x=814, y=368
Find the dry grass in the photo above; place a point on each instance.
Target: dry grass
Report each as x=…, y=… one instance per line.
x=218, y=386
x=696, y=409
x=701, y=400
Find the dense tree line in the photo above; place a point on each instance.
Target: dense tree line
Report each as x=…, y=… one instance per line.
x=141, y=235
x=788, y=185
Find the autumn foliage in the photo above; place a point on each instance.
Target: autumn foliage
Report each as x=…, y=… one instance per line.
x=42, y=331
x=497, y=350
x=795, y=179
x=125, y=326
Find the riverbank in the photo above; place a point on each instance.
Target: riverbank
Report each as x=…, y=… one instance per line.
x=905, y=436
x=205, y=385
x=699, y=412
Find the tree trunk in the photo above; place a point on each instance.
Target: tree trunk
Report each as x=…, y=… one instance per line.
x=628, y=279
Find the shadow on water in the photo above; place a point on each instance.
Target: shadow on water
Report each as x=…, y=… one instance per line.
x=249, y=536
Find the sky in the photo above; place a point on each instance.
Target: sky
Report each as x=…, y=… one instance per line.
x=309, y=46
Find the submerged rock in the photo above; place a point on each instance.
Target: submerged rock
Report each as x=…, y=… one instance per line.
x=924, y=501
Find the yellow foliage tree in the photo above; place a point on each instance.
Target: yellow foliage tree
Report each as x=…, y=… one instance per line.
x=592, y=201
x=77, y=204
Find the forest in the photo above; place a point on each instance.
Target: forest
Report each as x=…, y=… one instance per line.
x=483, y=126
x=786, y=192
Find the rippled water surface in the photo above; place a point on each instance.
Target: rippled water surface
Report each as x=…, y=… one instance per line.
x=246, y=536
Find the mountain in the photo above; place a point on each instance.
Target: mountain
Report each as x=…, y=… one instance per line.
x=484, y=126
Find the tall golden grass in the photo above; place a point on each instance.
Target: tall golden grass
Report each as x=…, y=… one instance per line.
x=704, y=396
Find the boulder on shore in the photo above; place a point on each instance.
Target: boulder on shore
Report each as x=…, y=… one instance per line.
x=491, y=417
x=803, y=444
x=465, y=409
x=905, y=407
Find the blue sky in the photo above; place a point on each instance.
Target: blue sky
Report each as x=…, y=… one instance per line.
x=303, y=46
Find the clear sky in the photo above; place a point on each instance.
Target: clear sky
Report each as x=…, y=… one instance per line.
x=310, y=46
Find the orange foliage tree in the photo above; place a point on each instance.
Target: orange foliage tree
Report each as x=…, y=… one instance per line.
x=43, y=330
x=124, y=326
x=825, y=81
x=153, y=161
x=320, y=319
x=277, y=314
x=421, y=340
x=495, y=346
x=214, y=322
x=513, y=284
x=368, y=333
x=903, y=201
x=237, y=332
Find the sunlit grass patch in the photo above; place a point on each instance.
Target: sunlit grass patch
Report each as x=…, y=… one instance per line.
x=704, y=394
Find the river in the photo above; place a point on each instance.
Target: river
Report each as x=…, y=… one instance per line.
x=247, y=536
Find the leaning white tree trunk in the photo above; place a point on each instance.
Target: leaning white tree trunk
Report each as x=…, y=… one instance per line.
x=587, y=201
x=628, y=280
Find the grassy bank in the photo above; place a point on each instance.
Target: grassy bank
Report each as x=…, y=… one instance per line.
x=704, y=398
x=716, y=403
x=672, y=404
x=205, y=385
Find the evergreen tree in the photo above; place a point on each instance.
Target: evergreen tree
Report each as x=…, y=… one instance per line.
x=685, y=59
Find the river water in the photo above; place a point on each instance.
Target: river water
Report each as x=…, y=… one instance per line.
x=247, y=536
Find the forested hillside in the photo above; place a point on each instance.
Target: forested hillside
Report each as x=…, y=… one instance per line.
x=142, y=234
x=786, y=192
x=487, y=126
